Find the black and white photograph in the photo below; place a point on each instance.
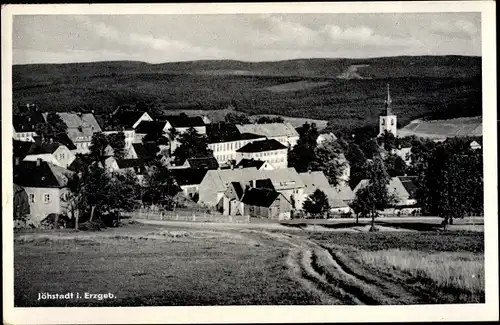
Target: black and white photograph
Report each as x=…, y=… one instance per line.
x=233, y=155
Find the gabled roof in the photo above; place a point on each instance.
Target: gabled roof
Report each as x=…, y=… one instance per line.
x=395, y=186
x=246, y=163
x=269, y=130
x=128, y=118
x=262, y=145
x=203, y=163
x=314, y=180
x=63, y=139
x=409, y=183
x=39, y=148
x=239, y=188
x=188, y=176
x=150, y=127
x=259, y=197
x=283, y=178
x=220, y=178
x=227, y=132
x=20, y=148
x=27, y=121
x=264, y=183
x=184, y=121
x=338, y=194
x=140, y=150
x=79, y=124
x=46, y=175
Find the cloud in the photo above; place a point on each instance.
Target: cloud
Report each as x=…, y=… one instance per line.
x=462, y=29
x=276, y=32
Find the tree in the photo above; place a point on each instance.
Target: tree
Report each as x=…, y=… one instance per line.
x=303, y=153
x=98, y=145
x=388, y=140
x=192, y=145
x=357, y=163
x=375, y=195
x=329, y=159
x=370, y=148
x=395, y=165
x=117, y=142
x=317, y=204
x=236, y=118
x=451, y=185
x=270, y=119
x=160, y=186
x=52, y=127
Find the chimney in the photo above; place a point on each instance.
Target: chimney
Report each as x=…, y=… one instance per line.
x=254, y=183
x=16, y=161
x=38, y=162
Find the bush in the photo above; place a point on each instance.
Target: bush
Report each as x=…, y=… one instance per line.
x=55, y=221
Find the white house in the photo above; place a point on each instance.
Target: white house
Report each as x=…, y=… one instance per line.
x=46, y=187
x=271, y=151
x=54, y=153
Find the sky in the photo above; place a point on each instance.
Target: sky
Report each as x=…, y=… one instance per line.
x=246, y=37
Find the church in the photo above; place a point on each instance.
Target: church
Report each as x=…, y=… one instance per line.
x=388, y=120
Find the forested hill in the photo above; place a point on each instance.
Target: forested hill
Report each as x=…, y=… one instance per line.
x=386, y=67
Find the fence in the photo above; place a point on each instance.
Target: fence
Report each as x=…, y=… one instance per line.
x=187, y=216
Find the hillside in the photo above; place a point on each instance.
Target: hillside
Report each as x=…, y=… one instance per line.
x=345, y=91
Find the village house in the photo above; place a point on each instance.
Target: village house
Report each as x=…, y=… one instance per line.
x=259, y=164
x=46, y=187
x=215, y=183
x=52, y=152
x=24, y=124
x=288, y=182
x=81, y=127
x=181, y=123
x=404, y=153
x=224, y=139
x=189, y=179
x=153, y=128
x=231, y=201
x=201, y=163
x=271, y=151
x=129, y=140
x=265, y=203
x=130, y=119
x=404, y=188
x=284, y=133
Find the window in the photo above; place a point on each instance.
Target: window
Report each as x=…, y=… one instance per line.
x=32, y=198
x=392, y=121
x=46, y=198
x=383, y=121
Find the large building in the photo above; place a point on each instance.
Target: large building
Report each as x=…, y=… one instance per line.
x=284, y=133
x=271, y=151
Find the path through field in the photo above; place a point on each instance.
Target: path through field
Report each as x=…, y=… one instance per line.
x=335, y=277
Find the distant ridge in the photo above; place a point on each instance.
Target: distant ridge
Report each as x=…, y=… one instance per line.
x=451, y=66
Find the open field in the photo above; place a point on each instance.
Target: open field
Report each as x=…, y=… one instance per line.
x=180, y=263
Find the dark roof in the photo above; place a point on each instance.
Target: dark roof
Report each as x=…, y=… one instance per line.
x=409, y=183
x=262, y=145
x=140, y=150
x=128, y=118
x=259, y=197
x=27, y=121
x=246, y=163
x=129, y=163
x=28, y=174
x=188, y=176
x=184, y=121
x=20, y=148
x=226, y=132
x=203, y=163
x=150, y=127
x=43, y=147
x=264, y=183
x=239, y=188
x=63, y=138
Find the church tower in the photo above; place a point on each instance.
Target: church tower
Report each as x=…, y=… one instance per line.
x=387, y=120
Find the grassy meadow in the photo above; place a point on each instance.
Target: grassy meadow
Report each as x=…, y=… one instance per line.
x=216, y=264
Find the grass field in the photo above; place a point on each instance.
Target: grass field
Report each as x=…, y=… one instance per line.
x=216, y=264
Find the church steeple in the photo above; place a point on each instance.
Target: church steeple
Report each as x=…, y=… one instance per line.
x=387, y=120
x=388, y=102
